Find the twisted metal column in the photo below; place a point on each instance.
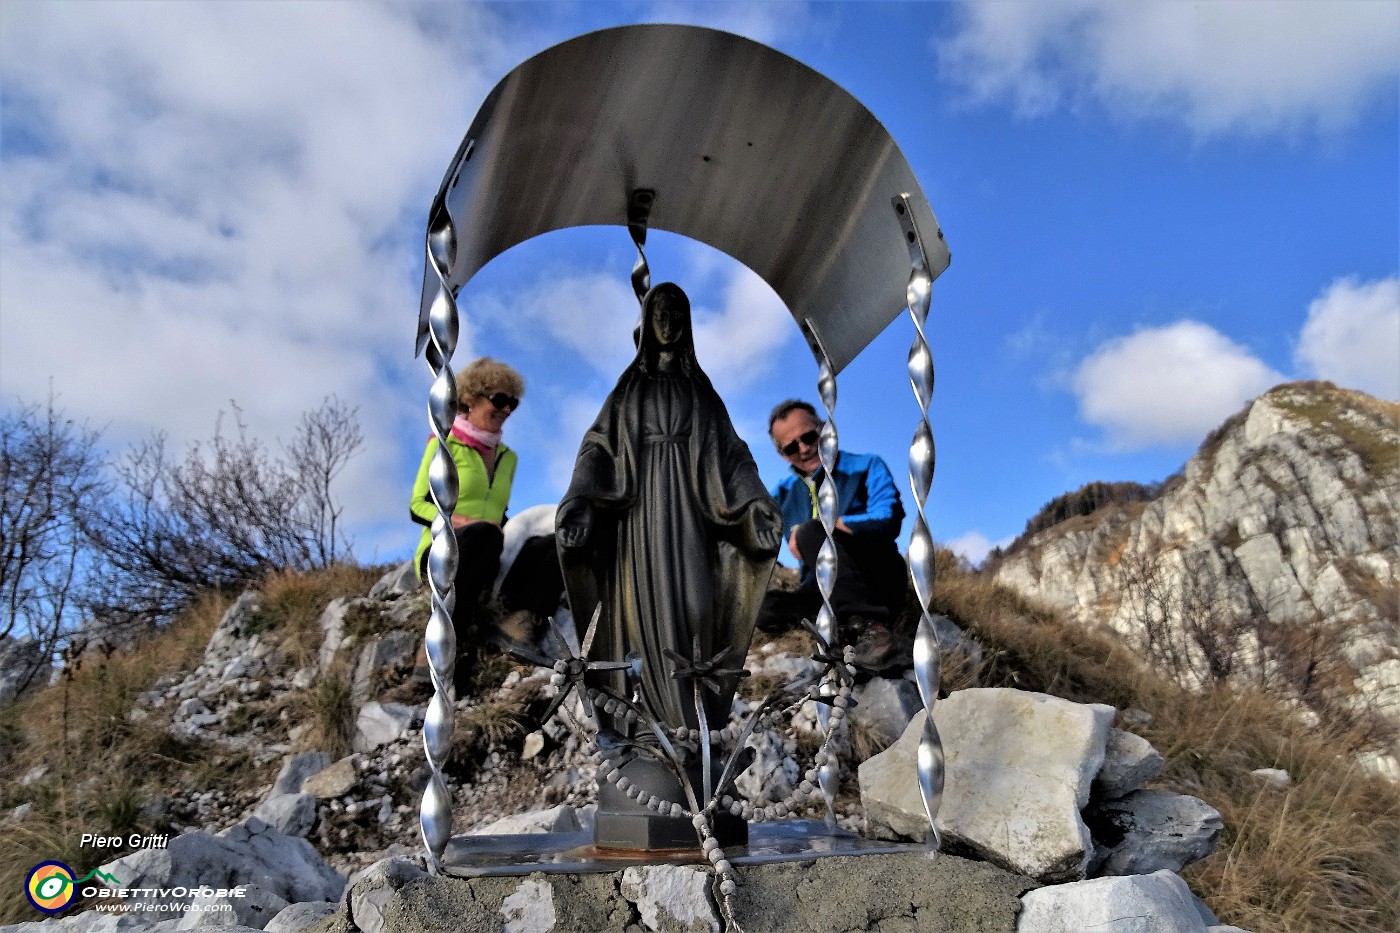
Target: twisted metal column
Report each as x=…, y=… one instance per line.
x=440, y=641
x=921, y=554
x=829, y=774
x=638, y=211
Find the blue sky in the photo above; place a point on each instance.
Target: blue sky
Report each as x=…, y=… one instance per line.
x=1156, y=212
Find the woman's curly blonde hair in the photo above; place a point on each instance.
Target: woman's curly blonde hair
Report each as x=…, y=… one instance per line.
x=485, y=374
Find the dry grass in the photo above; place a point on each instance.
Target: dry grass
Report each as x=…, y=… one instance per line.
x=1366, y=425
x=102, y=765
x=329, y=707
x=293, y=602
x=105, y=766
x=493, y=721
x=1322, y=855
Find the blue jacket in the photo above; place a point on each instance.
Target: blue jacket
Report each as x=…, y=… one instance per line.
x=866, y=497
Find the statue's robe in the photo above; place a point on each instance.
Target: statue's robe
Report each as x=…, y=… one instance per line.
x=672, y=551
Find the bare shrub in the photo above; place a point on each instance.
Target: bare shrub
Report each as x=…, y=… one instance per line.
x=223, y=517
x=50, y=478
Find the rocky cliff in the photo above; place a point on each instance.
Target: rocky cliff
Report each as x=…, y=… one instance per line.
x=1274, y=557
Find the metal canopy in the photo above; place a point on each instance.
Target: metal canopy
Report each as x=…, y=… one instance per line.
x=746, y=149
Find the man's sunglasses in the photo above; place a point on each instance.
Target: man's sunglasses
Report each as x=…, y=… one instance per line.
x=504, y=402
x=809, y=439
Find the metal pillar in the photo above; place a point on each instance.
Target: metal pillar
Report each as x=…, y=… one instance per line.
x=440, y=641
x=921, y=554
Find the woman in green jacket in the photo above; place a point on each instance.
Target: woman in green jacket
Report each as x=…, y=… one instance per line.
x=488, y=391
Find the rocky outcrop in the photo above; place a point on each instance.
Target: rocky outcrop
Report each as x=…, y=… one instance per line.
x=271, y=870
x=1275, y=555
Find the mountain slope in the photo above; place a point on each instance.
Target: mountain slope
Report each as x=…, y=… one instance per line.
x=1274, y=558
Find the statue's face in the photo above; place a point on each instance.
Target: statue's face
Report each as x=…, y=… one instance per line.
x=667, y=320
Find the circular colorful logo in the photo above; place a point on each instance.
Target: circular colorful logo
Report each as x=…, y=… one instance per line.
x=50, y=887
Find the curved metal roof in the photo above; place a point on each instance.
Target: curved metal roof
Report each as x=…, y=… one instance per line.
x=746, y=149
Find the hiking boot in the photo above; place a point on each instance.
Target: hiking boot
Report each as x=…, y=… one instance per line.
x=878, y=650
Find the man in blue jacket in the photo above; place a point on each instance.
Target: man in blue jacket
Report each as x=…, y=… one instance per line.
x=871, y=578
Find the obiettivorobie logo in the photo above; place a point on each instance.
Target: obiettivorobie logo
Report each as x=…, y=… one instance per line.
x=51, y=887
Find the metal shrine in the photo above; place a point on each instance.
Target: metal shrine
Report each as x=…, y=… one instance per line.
x=724, y=140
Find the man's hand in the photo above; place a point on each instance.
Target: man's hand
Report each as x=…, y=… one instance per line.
x=792, y=538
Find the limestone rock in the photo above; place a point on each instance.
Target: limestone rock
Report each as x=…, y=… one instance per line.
x=332, y=623
x=296, y=769
x=774, y=772
x=337, y=780
x=672, y=898
x=534, y=744
x=233, y=637
x=1276, y=778
x=953, y=641
x=401, y=581
x=371, y=890
x=530, y=908
x=1018, y=771
x=250, y=854
x=1129, y=762
x=254, y=909
x=885, y=706
x=381, y=723
x=297, y=917
x=1150, y=830
x=292, y=814
x=560, y=819
x=382, y=653
x=1133, y=904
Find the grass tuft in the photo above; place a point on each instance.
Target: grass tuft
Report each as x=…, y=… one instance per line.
x=329, y=707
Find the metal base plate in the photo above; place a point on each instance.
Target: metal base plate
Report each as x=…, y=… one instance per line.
x=786, y=841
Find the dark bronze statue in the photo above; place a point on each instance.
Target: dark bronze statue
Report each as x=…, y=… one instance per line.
x=667, y=525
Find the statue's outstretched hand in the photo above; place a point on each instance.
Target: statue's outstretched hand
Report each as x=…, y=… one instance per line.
x=766, y=528
x=574, y=523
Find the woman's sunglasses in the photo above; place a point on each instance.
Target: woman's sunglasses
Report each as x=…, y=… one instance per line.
x=809, y=439
x=504, y=402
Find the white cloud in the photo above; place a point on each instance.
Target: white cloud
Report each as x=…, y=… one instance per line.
x=1215, y=65
x=736, y=342
x=592, y=316
x=1352, y=336
x=1167, y=385
x=205, y=202
x=975, y=546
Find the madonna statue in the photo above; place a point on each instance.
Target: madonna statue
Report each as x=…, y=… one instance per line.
x=667, y=525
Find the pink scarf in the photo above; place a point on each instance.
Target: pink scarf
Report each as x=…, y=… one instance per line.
x=485, y=442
